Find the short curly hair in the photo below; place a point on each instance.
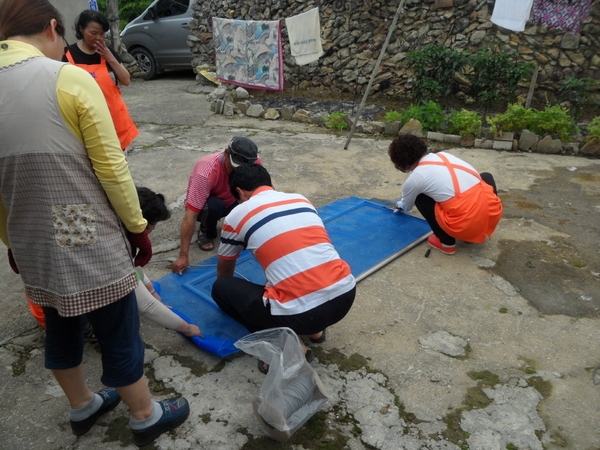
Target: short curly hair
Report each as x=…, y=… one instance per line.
x=406, y=150
x=152, y=205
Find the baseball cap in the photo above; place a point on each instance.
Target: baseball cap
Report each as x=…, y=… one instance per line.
x=242, y=151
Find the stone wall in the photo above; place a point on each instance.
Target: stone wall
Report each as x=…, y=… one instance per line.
x=353, y=32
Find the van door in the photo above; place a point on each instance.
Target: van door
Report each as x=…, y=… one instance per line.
x=168, y=29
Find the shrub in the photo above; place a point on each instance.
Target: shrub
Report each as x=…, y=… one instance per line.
x=430, y=115
x=434, y=69
x=496, y=75
x=516, y=118
x=466, y=123
x=392, y=116
x=594, y=127
x=578, y=91
x=336, y=120
x=555, y=119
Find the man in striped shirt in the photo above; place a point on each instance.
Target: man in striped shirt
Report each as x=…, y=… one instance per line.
x=308, y=286
x=208, y=198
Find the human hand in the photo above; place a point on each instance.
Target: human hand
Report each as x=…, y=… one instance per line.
x=12, y=262
x=102, y=50
x=141, y=247
x=398, y=209
x=190, y=330
x=180, y=264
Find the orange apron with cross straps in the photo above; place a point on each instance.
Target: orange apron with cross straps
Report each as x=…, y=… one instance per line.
x=470, y=216
x=126, y=129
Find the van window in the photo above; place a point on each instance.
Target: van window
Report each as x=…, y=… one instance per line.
x=168, y=8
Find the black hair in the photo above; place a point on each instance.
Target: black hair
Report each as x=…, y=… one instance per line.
x=27, y=18
x=87, y=16
x=153, y=206
x=248, y=177
x=406, y=150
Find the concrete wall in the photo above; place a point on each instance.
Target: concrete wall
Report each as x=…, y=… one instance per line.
x=70, y=9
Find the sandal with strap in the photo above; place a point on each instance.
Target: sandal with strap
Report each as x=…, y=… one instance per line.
x=203, y=240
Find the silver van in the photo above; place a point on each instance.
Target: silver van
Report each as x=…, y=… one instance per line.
x=157, y=39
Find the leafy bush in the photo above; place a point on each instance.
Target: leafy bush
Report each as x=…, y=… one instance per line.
x=578, y=91
x=430, y=115
x=434, y=69
x=128, y=10
x=496, y=75
x=336, y=120
x=392, y=116
x=555, y=119
x=466, y=123
x=516, y=118
x=594, y=127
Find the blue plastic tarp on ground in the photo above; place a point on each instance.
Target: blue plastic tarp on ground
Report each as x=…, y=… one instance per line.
x=365, y=233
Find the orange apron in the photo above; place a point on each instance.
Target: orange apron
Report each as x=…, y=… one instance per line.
x=126, y=129
x=470, y=216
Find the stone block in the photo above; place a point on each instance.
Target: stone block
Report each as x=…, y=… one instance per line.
x=502, y=145
x=287, y=112
x=483, y=143
x=452, y=138
x=433, y=136
x=243, y=106
x=228, y=109
x=506, y=136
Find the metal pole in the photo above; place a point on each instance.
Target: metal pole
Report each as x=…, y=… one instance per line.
x=399, y=11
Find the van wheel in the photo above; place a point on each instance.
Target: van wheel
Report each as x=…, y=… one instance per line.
x=146, y=62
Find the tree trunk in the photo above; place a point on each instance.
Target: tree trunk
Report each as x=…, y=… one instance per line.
x=112, y=13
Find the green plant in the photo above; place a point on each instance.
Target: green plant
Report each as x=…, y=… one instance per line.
x=128, y=9
x=466, y=123
x=594, y=127
x=578, y=91
x=430, y=115
x=392, y=116
x=516, y=118
x=496, y=75
x=554, y=119
x=434, y=68
x=336, y=120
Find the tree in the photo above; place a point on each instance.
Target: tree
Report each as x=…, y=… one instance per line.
x=112, y=13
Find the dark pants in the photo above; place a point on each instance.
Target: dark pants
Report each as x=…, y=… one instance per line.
x=216, y=210
x=243, y=301
x=426, y=206
x=117, y=327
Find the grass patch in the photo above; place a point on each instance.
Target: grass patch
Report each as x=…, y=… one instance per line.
x=542, y=386
x=158, y=388
x=503, y=310
x=345, y=363
x=529, y=367
x=198, y=369
x=205, y=418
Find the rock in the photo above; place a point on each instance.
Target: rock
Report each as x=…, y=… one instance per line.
x=591, y=148
x=255, y=111
x=467, y=141
x=287, y=112
x=569, y=41
x=528, y=140
x=392, y=128
x=549, y=145
x=502, y=145
x=434, y=136
x=243, y=106
x=413, y=126
x=301, y=115
x=317, y=119
x=228, y=109
x=271, y=114
x=241, y=93
x=445, y=343
x=452, y=138
x=218, y=93
x=483, y=143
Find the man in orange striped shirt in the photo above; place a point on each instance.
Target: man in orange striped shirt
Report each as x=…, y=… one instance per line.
x=308, y=286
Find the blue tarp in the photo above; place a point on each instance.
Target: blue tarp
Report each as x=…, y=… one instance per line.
x=366, y=234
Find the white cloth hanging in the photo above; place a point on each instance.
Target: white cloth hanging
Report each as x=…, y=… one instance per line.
x=512, y=14
x=304, y=32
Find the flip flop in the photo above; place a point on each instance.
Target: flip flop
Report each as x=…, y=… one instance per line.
x=264, y=368
x=321, y=339
x=203, y=240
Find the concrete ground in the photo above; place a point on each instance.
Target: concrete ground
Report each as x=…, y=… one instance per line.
x=493, y=348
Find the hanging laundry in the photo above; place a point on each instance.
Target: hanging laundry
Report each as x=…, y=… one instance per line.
x=511, y=14
x=561, y=14
x=249, y=53
x=304, y=32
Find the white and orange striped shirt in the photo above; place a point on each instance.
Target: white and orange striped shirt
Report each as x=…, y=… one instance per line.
x=288, y=238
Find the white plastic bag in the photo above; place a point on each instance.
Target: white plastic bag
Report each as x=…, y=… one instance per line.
x=292, y=391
